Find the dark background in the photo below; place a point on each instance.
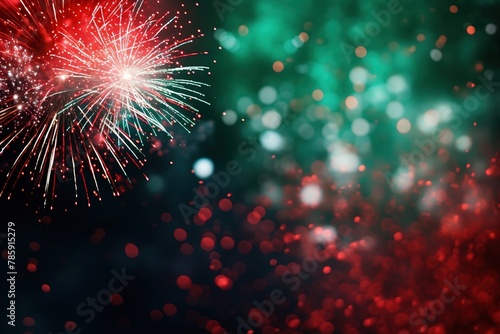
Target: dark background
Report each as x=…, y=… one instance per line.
x=76, y=264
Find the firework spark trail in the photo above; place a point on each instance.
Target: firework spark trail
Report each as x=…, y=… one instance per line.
x=83, y=85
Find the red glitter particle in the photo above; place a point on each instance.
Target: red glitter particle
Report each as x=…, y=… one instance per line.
x=169, y=309
x=223, y=282
x=215, y=265
x=205, y=214
x=227, y=243
x=292, y=321
x=266, y=247
x=100, y=232
x=186, y=249
x=156, y=315
x=184, y=282
x=180, y=234
x=207, y=244
x=327, y=270
x=131, y=250
x=218, y=330
x=45, y=288
x=398, y=236
x=326, y=328
x=225, y=205
x=31, y=267
x=28, y=321
x=260, y=211
x=166, y=217
x=70, y=325
x=34, y=246
x=211, y=324
x=116, y=299
x=471, y=30
x=253, y=217
x=244, y=247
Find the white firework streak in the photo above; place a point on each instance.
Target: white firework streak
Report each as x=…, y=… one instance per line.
x=117, y=81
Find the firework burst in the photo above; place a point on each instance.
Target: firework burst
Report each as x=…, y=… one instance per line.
x=84, y=85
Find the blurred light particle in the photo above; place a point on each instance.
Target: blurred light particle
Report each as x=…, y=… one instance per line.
x=227, y=40
x=440, y=43
x=243, y=103
x=453, y=9
x=463, y=143
x=395, y=109
x=116, y=299
x=324, y=234
x=318, y=94
x=445, y=112
x=278, y=66
x=311, y=195
x=292, y=321
x=271, y=120
x=397, y=84
x=34, y=246
x=156, y=315
x=46, y=288
x=229, y=117
x=330, y=131
x=436, y=55
x=268, y=95
x=304, y=37
x=169, y=309
x=180, y=234
x=491, y=29
x=184, y=282
x=428, y=122
x=326, y=328
x=253, y=217
x=223, y=282
x=306, y=131
x=227, y=243
x=471, y=30
x=166, y=217
x=186, y=249
x=361, y=52
x=28, y=321
x=445, y=137
x=297, y=42
x=403, y=125
x=360, y=127
x=358, y=75
x=359, y=88
x=272, y=141
x=342, y=160
x=131, y=250
x=203, y=168
x=351, y=102
x=70, y=326
x=207, y=244
x=420, y=37
x=243, y=30
x=225, y=204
